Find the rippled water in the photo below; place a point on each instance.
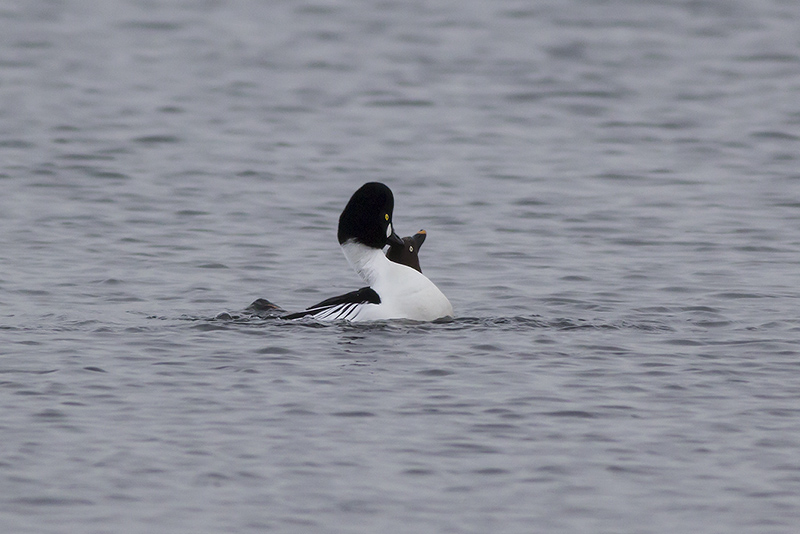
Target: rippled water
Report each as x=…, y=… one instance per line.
x=612, y=199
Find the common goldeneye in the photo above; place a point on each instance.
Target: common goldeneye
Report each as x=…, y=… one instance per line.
x=394, y=290
x=408, y=253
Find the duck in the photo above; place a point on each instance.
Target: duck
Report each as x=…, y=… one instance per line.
x=394, y=290
x=408, y=253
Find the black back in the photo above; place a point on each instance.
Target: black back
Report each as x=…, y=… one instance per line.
x=340, y=307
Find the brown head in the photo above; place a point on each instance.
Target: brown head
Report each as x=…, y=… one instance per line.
x=408, y=254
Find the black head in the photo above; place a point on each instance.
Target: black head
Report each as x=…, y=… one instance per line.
x=408, y=252
x=367, y=218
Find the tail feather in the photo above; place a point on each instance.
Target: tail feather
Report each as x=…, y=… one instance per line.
x=264, y=308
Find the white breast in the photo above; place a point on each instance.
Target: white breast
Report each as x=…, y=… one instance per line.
x=405, y=292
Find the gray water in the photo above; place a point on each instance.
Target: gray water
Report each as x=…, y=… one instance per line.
x=611, y=191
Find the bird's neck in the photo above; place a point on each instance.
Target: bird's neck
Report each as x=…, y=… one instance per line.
x=368, y=262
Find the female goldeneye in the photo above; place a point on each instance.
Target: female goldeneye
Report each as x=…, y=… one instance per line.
x=408, y=253
x=394, y=290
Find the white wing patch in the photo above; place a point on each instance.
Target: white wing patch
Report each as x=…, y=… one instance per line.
x=339, y=312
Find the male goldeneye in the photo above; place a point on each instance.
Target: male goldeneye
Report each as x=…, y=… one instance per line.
x=394, y=290
x=407, y=254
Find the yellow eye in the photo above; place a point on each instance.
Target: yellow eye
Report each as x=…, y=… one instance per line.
x=386, y=216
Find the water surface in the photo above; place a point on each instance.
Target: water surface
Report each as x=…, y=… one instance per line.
x=612, y=200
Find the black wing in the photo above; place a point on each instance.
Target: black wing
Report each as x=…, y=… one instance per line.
x=340, y=307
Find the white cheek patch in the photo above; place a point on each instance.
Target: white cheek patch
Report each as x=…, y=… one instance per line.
x=388, y=230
